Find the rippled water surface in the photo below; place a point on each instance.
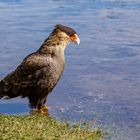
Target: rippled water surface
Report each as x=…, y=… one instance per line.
x=102, y=76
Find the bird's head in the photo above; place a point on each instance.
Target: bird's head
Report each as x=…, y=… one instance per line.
x=68, y=33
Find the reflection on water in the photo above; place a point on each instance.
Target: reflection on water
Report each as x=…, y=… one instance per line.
x=101, y=79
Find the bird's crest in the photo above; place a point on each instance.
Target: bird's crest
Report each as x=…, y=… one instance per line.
x=69, y=31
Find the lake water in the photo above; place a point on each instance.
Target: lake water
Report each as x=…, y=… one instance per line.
x=101, y=81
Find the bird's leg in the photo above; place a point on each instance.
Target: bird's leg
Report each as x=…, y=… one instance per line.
x=42, y=107
x=38, y=106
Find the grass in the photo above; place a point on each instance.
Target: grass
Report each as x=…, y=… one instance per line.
x=41, y=127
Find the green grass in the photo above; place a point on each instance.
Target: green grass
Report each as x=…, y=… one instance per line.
x=41, y=127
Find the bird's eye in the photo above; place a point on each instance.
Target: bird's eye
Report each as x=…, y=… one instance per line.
x=69, y=34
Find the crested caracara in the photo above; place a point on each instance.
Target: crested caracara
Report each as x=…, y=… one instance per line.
x=40, y=71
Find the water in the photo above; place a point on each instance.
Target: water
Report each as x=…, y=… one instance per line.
x=102, y=76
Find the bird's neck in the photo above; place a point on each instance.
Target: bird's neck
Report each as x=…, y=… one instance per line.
x=54, y=44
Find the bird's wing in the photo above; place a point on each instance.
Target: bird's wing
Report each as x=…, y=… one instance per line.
x=23, y=76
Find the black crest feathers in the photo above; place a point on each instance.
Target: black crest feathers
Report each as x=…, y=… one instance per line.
x=69, y=31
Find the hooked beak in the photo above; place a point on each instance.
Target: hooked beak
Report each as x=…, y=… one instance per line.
x=75, y=39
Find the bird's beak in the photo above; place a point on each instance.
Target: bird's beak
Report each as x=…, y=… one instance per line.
x=75, y=39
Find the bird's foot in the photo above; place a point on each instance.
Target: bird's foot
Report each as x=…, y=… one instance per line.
x=36, y=112
x=43, y=110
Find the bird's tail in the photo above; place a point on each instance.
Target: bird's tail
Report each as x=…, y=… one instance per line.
x=2, y=92
x=6, y=92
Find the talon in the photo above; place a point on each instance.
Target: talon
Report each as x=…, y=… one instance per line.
x=35, y=112
x=40, y=111
x=44, y=111
x=44, y=108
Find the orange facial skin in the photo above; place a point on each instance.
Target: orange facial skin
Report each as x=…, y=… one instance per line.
x=73, y=37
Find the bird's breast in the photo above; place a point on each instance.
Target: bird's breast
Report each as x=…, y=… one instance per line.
x=50, y=75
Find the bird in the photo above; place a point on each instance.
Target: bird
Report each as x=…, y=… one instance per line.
x=40, y=71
